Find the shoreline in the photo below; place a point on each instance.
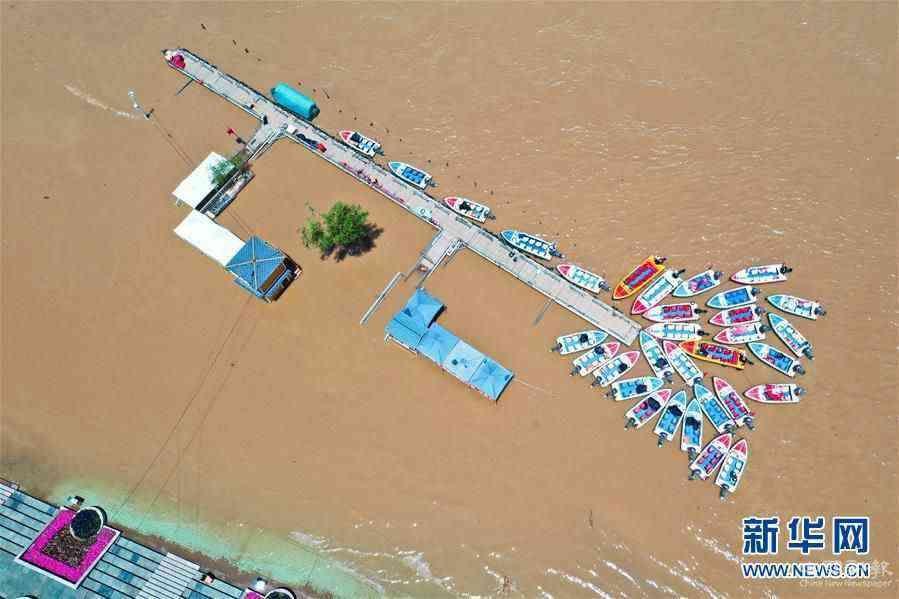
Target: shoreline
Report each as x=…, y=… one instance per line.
x=228, y=568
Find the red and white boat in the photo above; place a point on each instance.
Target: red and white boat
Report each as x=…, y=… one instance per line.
x=583, y=278
x=469, y=209
x=685, y=312
x=775, y=393
x=360, y=143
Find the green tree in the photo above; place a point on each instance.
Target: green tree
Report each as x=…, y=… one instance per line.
x=220, y=172
x=343, y=226
x=223, y=170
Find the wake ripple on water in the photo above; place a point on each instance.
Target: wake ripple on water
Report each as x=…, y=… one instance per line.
x=95, y=102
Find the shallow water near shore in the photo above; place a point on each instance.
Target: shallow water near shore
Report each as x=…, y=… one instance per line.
x=291, y=441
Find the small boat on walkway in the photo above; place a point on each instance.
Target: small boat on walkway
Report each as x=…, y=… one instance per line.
x=360, y=143
x=530, y=244
x=469, y=209
x=410, y=174
x=575, y=342
x=583, y=278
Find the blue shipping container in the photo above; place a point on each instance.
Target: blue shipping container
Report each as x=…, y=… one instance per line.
x=289, y=98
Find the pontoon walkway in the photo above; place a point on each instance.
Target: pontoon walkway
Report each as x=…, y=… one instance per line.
x=278, y=123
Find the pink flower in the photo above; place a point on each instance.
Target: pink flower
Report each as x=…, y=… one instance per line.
x=34, y=553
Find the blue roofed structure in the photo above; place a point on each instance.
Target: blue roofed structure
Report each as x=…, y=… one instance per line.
x=411, y=323
x=409, y=337
x=262, y=269
x=437, y=343
x=420, y=311
x=414, y=328
x=463, y=361
x=491, y=379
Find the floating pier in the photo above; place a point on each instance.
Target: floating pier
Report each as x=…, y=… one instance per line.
x=278, y=123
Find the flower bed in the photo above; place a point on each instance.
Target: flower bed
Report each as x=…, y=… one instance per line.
x=56, y=553
x=248, y=594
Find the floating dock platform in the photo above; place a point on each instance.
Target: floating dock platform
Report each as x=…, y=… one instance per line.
x=414, y=328
x=276, y=123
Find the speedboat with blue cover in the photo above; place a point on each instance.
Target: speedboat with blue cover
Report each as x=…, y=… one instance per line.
x=410, y=174
x=531, y=244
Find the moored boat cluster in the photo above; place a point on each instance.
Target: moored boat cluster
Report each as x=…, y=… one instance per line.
x=673, y=344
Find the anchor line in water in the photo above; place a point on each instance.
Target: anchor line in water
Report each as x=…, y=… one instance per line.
x=130, y=495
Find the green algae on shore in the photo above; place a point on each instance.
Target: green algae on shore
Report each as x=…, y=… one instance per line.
x=249, y=550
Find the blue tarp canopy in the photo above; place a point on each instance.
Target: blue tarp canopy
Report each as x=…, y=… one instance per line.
x=414, y=327
x=463, y=361
x=255, y=263
x=420, y=311
x=405, y=335
x=437, y=343
x=491, y=379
